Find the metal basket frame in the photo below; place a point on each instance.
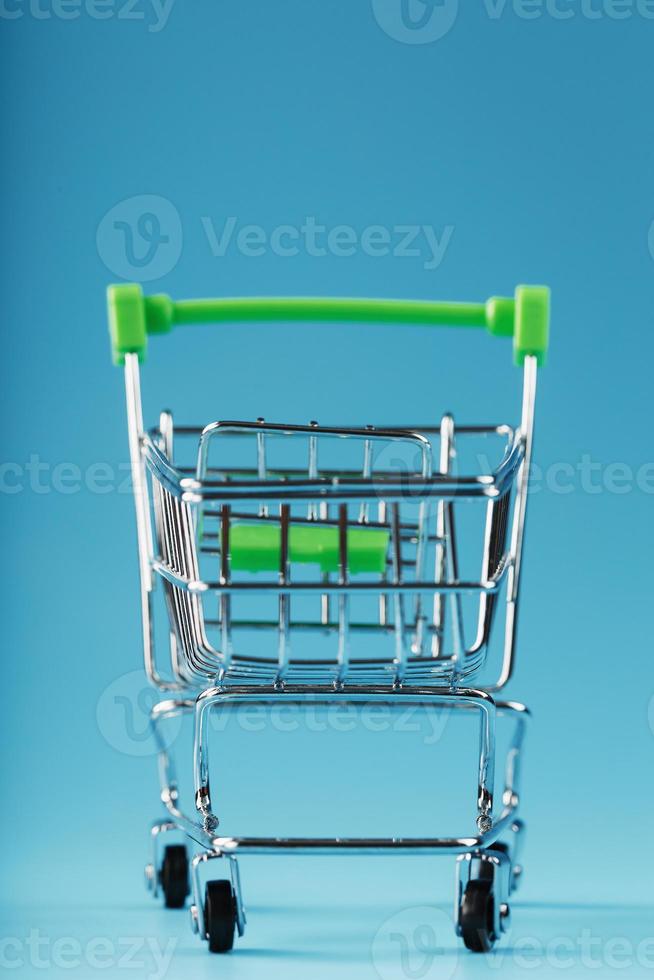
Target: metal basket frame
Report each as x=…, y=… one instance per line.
x=172, y=503
x=494, y=849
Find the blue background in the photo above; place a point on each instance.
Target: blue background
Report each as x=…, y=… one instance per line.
x=532, y=140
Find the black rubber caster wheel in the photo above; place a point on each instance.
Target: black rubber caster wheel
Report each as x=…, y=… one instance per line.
x=174, y=876
x=477, y=916
x=219, y=915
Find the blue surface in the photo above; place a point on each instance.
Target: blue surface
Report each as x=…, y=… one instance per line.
x=359, y=935
x=524, y=147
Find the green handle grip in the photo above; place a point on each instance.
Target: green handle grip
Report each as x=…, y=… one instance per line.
x=133, y=316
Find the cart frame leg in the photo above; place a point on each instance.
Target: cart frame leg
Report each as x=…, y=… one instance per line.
x=493, y=853
x=464, y=698
x=152, y=868
x=198, y=924
x=498, y=867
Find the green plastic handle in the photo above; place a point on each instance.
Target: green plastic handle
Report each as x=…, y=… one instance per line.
x=133, y=316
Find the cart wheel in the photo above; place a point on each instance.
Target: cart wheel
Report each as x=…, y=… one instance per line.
x=219, y=915
x=174, y=876
x=477, y=916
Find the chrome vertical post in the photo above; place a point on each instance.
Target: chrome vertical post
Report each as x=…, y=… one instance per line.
x=530, y=373
x=142, y=508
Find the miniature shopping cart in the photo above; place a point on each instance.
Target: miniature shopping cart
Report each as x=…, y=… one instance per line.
x=309, y=563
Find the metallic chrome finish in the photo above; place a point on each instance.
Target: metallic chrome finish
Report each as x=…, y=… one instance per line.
x=152, y=868
x=472, y=847
x=492, y=864
x=526, y=434
x=313, y=513
x=503, y=824
x=517, y=829
x=150, y=877
x=197, y=908
x=464, y=698
x=193, y=515
x=143, y=525
x=427, y=605
x=261, y=463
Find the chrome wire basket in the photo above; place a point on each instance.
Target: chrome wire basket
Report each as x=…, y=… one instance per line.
x=357, y=568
